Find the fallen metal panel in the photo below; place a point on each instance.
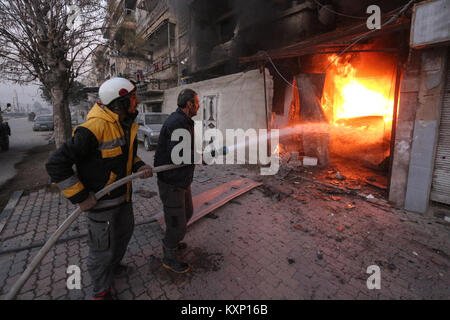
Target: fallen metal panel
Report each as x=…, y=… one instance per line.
x=208, y=201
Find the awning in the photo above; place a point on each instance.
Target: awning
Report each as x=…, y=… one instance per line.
x=330, y=42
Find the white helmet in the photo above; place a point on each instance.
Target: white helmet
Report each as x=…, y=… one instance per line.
x=115, y=88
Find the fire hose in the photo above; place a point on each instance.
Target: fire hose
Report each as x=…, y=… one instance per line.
x=66, y=224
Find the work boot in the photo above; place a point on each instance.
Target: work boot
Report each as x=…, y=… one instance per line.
x=104, y=295
x=171, y=262
x=122, y=270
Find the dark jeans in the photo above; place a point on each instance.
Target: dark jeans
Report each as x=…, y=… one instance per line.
x=109, y=234
x=178, y=210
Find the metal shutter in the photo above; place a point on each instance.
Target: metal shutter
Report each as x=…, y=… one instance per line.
x=440, y=189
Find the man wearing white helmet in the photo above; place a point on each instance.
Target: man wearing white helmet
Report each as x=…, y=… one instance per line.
x=103, y=149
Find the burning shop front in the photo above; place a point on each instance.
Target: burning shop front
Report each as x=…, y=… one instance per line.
x=341, y=112
x=337, y=104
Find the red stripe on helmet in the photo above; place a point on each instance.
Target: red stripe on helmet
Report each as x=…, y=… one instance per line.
x=123, y=92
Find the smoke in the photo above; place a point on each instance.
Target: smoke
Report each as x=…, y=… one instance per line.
x=254, y=23
x=249, y=22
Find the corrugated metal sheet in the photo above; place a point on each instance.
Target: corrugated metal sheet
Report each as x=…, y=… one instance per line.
x=440, y=189
x=430, y=23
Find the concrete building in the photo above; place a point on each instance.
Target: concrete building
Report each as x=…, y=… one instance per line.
x=147, y=42
x=157, y=23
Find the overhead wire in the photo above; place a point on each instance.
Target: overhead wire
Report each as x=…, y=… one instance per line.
x=324, y=6
x=359, y=38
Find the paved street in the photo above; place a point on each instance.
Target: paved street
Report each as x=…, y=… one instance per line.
x=288, y=239
x=22, y=139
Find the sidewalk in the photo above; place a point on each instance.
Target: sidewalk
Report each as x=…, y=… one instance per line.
x=283, y=240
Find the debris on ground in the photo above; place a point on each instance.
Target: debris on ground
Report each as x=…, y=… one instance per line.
x=309, y=161
x=339, y=176
x=350, y=206
x=299, y=198
x=435, y=262
x=376, y=185
x=201, y=178
x=355, y=187
x=295, y=211
x=319, y=255
x=146, y=193
x=277, y=192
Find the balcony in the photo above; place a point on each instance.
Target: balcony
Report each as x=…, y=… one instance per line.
x=154, y=9
x=160, y=65
x=120, y=17
x=153, y=87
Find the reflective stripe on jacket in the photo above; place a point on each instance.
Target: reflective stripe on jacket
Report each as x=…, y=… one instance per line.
x=100, y=152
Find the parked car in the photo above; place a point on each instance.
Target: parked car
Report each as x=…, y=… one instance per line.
x=150, y=125
x=43, y=123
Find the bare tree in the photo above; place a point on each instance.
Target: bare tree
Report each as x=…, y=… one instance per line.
x=42, y=41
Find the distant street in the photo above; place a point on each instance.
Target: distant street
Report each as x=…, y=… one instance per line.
x=146, y=156
x=22, y=139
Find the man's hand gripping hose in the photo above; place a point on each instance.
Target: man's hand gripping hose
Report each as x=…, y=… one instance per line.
x=66, y=224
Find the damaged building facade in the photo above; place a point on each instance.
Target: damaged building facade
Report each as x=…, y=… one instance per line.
x=370, y=105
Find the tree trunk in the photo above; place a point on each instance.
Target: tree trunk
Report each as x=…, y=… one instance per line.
x=61, y=114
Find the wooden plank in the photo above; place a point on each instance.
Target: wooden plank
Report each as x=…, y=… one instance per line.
x=208, y=201
x=9, y=209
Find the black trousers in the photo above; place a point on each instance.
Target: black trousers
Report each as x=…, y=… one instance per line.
x=178, y=209
x=110, y=232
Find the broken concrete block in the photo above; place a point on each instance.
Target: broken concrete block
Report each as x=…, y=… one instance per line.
x=309, y=161
x=339, y=176
x=294, y=160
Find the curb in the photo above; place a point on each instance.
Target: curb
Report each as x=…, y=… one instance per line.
x=9, y=209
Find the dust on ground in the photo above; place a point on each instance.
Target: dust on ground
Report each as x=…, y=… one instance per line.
x=200, y=260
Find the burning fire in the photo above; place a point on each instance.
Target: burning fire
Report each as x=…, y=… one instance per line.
x=348, y=96
x=357, y=102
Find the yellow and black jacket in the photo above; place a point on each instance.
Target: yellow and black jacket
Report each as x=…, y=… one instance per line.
x=103, y=151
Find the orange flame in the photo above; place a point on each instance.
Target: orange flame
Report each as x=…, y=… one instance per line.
x=348, y=96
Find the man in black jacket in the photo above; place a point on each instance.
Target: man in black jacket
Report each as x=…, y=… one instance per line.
x=103, y=149
x=5, y=132
x=175, y=185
